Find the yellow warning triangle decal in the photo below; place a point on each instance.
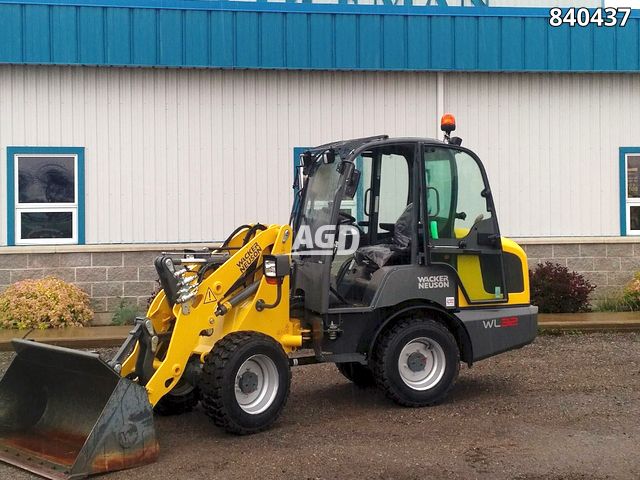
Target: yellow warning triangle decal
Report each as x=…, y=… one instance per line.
x=209, y=297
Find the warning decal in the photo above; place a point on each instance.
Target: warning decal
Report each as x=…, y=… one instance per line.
x=209, y=297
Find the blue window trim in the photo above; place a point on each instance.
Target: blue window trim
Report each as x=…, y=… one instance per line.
x=624, y=151
x=11, y=203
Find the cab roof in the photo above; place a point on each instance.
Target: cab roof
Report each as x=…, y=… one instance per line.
x=345, y=147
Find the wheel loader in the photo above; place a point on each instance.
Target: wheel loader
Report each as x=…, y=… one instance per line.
x=392, y=267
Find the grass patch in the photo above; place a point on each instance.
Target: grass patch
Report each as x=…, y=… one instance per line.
x=615, y=303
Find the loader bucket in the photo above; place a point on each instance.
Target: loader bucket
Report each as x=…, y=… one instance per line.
x=67, y=414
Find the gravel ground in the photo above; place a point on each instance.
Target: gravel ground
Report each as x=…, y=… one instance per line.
x=567, y=407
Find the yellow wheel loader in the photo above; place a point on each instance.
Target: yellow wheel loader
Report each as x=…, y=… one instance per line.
x=392, y=267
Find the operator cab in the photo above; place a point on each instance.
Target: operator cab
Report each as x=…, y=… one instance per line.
x=415, y=207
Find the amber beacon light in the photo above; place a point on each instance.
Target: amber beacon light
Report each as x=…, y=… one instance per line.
x=448, y=123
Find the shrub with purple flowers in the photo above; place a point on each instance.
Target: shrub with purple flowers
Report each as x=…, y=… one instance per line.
x=555, y=289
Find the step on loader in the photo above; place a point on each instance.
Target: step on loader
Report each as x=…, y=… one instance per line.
x=392, y=267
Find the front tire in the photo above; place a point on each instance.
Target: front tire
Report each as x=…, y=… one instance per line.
x=245, y=382
x=182, y=399
x=417, y=362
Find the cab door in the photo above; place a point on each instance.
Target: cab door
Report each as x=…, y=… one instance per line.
x=462, y=229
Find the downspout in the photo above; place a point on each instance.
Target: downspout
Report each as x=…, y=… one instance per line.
x=439, y=101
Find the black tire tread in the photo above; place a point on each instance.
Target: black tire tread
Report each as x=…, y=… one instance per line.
x=211, y=381
x=177, y=405
x=382, y=347
x=360, y=375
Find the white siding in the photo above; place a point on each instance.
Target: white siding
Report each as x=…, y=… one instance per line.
x=550, y=144
x=186, y=155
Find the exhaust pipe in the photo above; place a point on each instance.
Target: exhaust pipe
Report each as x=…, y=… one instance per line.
x=66, y=414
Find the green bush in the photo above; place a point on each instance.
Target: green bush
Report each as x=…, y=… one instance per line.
x=554, y=289
x=44, y=303
x=125, y=314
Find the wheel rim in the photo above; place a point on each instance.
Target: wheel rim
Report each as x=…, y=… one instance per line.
x=256, y=384
x=421, y=363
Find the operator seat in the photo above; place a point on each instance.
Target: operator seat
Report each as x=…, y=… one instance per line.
x=392, y=253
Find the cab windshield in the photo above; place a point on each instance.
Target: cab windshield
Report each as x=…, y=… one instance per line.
x=319, y=199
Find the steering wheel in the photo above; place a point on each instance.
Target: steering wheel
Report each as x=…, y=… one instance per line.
x=346, y=218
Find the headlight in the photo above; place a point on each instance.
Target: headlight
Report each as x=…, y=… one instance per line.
x=270, y=267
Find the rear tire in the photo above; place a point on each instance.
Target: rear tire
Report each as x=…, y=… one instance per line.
x=182, y=399
x=245, y=382
x=416, y=362
x=359, y=374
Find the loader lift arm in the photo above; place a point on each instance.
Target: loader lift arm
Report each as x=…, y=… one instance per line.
x=222, y=304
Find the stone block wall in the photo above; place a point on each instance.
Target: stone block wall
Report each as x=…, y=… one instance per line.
x=108, y=277
x=610, y=266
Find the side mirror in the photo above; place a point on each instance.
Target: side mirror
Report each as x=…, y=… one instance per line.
x=306, y=160
x=353, y=177
x=352, y=183
x=329, y=156
x=276, y=267
x=298, y=183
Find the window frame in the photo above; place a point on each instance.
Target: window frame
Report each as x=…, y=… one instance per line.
x=15, y=208
x=625, y=203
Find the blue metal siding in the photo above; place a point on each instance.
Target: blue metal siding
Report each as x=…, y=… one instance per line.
x=91, y=36
x=223, y=34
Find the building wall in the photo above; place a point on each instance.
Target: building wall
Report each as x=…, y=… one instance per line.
x=608, y=266
x=284, y=35
x=108, y=277
x=187, y=155
x=112, y=275
x=551, y=146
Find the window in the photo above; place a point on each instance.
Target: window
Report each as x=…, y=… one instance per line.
x=459, y=216
x=45, y=195
x=394, y=188
x=630, y=191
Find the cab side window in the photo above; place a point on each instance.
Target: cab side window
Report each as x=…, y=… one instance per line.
x=455, y=200
x=458, y=215
x=440, y=192
x=393, y=178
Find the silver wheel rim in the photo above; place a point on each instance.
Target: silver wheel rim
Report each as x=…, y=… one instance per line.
x=421, y=363
x=256, y=384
